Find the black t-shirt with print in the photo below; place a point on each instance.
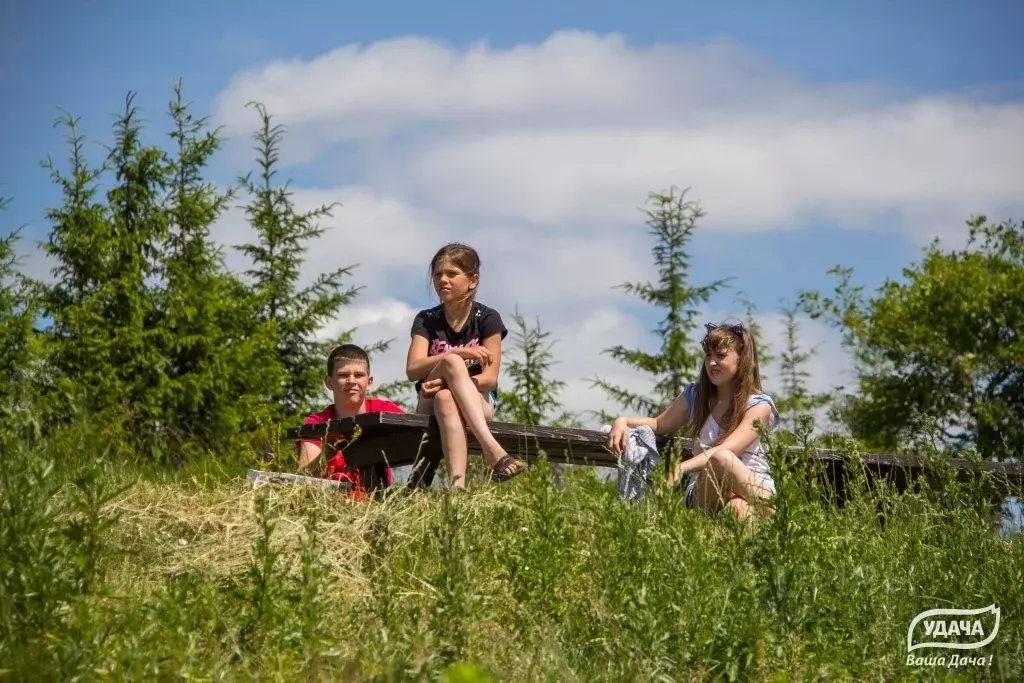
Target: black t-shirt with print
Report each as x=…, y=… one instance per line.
x=483, y=322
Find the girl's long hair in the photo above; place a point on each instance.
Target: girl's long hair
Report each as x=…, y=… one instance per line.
x=721, y=338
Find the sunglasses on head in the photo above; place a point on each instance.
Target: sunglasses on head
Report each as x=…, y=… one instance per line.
x=738, y=329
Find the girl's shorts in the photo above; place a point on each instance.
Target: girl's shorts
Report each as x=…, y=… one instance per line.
x=492, y=398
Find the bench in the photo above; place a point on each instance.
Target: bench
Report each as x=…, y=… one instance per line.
x=396, y=439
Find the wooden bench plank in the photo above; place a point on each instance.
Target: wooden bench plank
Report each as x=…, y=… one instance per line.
x=396, y=436
x=264, y=477
x=413, y=439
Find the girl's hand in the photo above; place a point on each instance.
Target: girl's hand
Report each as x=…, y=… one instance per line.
x=691, y=465
x=477, y=353
x=618, y=437
x=431, y=387
x=674, y=475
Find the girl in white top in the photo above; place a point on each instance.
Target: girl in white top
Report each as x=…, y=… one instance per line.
x=729, y=468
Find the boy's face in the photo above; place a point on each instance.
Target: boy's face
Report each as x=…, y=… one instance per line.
x=349, y=382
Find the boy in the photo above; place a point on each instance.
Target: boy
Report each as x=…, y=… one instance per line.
x=348, y=378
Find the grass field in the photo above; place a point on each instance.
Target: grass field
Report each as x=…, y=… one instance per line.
x=113, y=573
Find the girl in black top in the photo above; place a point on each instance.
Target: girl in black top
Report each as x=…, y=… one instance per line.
x=454, y=358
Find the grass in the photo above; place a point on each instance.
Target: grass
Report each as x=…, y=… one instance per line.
x=113, y=574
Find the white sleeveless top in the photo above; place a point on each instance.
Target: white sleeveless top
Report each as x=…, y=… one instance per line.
x=755, y=456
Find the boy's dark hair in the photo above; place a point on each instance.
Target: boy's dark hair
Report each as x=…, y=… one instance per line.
x=346, y=353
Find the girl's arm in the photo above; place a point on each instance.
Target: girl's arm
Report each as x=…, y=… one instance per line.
x=417, y=363
x=487, y=380
x=739, y=440
x=668, y=421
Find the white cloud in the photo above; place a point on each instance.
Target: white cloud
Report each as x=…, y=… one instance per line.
x=540, y=155
x=925, y=160
x=378, y=235
x=32, y=260
x=577, y=129
x=573, y=78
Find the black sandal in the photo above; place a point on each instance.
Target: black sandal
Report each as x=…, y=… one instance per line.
x=500, y=471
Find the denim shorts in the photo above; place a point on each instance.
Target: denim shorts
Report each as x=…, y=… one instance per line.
x=691, y=489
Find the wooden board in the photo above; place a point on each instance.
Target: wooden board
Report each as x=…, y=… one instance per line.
x=413, y=439
x=263, y=477
x=397, y=437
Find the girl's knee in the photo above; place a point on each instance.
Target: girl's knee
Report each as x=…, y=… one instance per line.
x=739, y=506
x=444, y=404
x=452, y=365
x=722, y=458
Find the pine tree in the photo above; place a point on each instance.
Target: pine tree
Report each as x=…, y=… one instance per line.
x=139, y=229
x=796, y=400
x=80, y=243
x=16, y=330
x=104, y=346
x=209, y=359
x=533, y=397
x=289, y=315
x=672, y=220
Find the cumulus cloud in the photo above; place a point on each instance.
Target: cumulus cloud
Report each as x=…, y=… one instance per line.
x=923, y=161
x=541, y=154
x=573, y=130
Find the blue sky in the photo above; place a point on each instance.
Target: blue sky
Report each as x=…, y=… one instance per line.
x=84, y=56
x=883, y=57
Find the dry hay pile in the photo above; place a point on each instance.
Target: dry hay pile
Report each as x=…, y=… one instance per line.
x=167, y=529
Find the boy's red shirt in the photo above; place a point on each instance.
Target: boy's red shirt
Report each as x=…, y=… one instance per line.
x=336, y=468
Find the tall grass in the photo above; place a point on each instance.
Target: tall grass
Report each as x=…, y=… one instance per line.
x=109, y=575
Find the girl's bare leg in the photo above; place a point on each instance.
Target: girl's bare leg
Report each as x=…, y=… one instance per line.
x=468, y=399
x=453, y=431
x=740, y=507
x=727, y=479
x=453, y=436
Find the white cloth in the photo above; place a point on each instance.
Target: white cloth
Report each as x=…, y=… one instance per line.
x=637, y=462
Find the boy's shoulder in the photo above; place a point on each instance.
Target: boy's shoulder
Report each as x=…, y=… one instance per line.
x=325, y=415
x=381, y=405
x=371, y=405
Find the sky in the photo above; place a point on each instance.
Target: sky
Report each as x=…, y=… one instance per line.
x=811, y=134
